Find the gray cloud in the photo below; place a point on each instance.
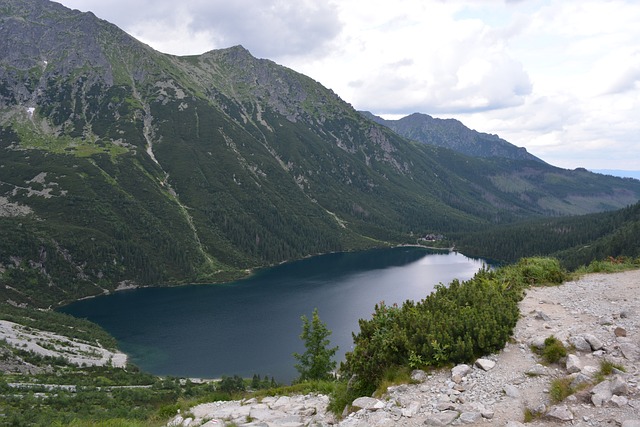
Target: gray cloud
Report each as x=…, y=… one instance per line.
x=627, y=81
x=268, y=28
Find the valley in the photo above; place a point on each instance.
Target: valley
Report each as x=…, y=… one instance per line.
x=124, y=169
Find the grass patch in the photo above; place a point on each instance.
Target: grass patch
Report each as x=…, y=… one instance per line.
x=609, y=265
x=560, y=389
x=530, y=415
x=81, y=147
x=394, y=375
x=606, y=369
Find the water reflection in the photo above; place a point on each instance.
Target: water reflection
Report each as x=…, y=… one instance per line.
x=253, y=326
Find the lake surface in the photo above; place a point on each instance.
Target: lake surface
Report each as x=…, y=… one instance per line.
x=253, y=326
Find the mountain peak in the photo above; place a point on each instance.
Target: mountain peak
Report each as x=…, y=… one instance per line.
x=453, y=134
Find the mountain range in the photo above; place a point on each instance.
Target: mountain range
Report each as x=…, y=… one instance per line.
x=122, y=166
x=451, y=133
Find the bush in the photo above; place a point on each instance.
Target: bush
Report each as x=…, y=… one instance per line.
x=455, y=324
x=553, y=350
x=534, y=271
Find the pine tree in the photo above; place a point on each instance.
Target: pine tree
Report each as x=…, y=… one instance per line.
x=316, y=362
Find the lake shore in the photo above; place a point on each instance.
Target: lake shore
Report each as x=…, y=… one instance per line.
x=504, y=387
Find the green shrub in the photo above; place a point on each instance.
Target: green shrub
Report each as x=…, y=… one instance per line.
x=534, y=271
x=609, y=265
x=455, y=324
x=553, y=350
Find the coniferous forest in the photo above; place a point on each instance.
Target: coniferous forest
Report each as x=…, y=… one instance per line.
x=123, y=167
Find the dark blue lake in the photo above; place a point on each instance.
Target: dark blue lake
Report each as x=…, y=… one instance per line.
x=252, y=326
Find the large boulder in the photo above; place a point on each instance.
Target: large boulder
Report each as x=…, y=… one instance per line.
x=593, y=341
x=601, y=393
x=580, y=343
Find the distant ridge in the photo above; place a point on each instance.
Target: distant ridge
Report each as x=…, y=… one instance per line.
x=452, y=134
x=618, y=172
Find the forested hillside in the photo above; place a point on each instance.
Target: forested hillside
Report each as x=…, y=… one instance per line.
x=122, y=166
x=575, y=241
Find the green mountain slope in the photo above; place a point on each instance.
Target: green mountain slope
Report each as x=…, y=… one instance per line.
x=576, y=240
x=121, y=166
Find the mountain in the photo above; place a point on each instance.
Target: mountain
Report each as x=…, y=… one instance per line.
x=450, y=133
x=122, y=166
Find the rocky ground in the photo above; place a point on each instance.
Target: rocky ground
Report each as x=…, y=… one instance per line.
x=597, y=317
x=49, y=344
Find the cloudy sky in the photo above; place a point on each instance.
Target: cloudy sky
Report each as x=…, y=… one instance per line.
x=559, y=77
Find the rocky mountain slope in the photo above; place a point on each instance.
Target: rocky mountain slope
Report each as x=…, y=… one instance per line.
x=450, y=133
x=597, y=319
x=122, y=166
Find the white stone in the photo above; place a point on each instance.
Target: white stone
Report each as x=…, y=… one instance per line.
x=485, y=364
x=177, y=421
x=441, y=419
x=619, y=401
x=537, y=370
x=460, y=370
x=573, y=364
x=369, y=403
x=619, y=386
x=511, y=391
x=411, y=410
x=419, y=375
x=601, y=393
x=470, y=417
x=593, y=341
x=580, y=379
x=561, y=413
x=580, y=343
x=590, y=370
